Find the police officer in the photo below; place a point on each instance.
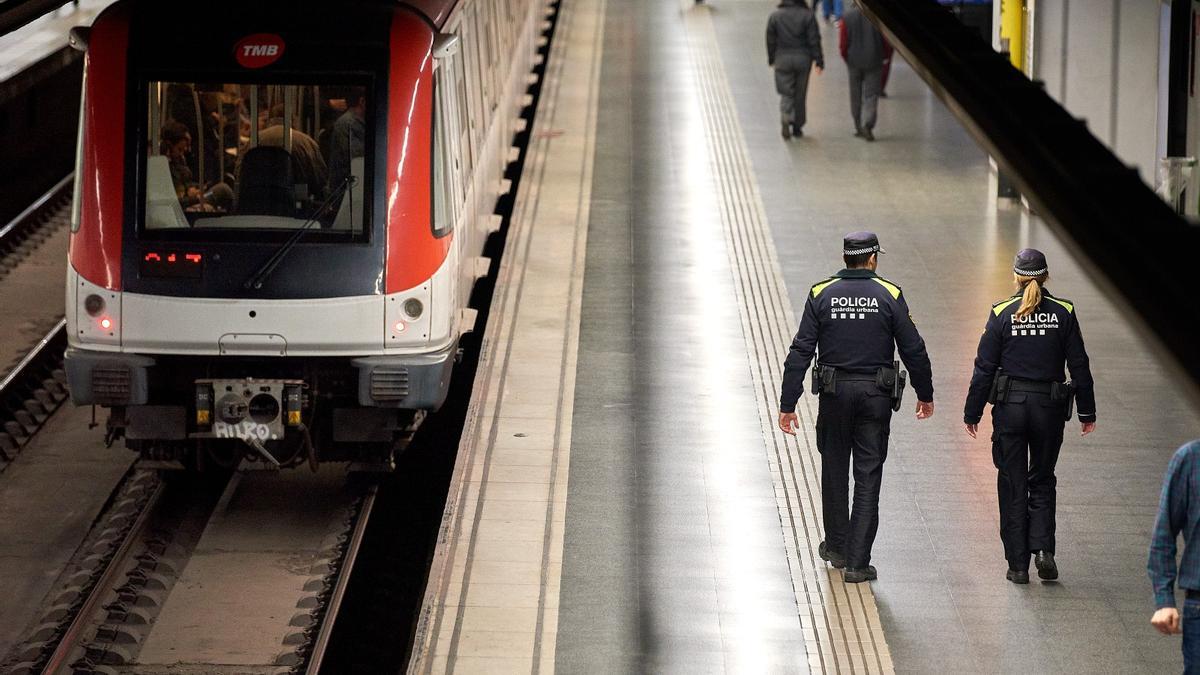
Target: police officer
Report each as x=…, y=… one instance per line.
x=853, y=322
x=1019, y=369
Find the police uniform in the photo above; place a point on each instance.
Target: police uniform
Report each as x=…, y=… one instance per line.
x=853, y=322
x=1029, y=353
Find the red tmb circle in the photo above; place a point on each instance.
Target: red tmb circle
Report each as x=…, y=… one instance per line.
x=259, y=50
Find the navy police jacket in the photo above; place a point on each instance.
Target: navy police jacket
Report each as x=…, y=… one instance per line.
x=1034, y=348
x=854, y=321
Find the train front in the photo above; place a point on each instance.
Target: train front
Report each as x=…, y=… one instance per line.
x=253, y=272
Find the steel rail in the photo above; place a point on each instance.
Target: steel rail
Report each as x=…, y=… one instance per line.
x=17, y=374
x=317, y=654
x=71, y=637
x=24, y=219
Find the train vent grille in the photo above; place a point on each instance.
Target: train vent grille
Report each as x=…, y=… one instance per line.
x=111, y=385
x=389, y=383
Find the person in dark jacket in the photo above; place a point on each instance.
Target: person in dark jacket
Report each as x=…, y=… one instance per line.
x=793, y=47
x=853, y=323
x=1027, y=341
x=864, y=50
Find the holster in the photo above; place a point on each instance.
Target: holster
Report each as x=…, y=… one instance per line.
x=892, y=381
x=999, y=391
x=824, y=380
x=1064, y=392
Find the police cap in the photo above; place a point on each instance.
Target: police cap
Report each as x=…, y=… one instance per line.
x=858, y=243
x=1030, y=262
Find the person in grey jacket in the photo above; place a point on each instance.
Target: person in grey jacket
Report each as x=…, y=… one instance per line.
x=793, y=47
x=864, y=50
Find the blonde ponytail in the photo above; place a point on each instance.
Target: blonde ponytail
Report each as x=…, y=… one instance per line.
x=1031, y=294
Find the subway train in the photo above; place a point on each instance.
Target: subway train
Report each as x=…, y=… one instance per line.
x=280, y=213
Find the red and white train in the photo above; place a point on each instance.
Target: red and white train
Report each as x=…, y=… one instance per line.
x=280, y=213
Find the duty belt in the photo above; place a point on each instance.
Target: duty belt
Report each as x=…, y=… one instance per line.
x=843, y=376
x=1029, y=386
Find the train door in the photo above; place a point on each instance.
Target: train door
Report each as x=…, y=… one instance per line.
x=452, y=168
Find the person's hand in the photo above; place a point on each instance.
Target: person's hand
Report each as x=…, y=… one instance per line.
x=193, y=192
x=1086, y=428
x=972, y=430
x=789, y=422
x=924, y=409
x=1166, y=620
x=819, y=70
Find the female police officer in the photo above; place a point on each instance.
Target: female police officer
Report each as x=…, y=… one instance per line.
x=1019, y=369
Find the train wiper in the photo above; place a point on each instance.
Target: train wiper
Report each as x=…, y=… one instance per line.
x=260, y=275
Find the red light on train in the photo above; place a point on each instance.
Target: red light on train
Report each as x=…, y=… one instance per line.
x=153, y=257
x=193, y=257
x=170, y=257
x=106, y=323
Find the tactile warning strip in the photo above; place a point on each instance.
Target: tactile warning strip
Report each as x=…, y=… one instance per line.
x=840, y=621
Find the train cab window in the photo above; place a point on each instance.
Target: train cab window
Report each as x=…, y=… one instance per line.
x=256, y=157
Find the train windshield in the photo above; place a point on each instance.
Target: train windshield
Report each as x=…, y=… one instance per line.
x=256, y=157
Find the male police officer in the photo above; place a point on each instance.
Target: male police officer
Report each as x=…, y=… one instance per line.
x=854, y=321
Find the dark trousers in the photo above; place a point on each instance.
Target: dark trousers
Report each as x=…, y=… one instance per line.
x=865, y=85
x=1026, y=437
x=1191, y=636
x=791, y=83
x=852, y=427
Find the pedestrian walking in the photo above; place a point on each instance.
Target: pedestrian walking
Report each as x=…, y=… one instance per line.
x=1028, y=339
x=1178, y=512
x=865, y=51
x=793, y=48
x=853, y=323
x=831, y=10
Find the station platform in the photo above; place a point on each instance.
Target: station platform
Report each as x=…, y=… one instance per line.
x=622, y=500
x=31, y=45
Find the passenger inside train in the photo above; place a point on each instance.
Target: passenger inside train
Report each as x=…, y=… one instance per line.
x=255, y=156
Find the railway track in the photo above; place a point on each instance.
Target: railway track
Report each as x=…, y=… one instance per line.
x=35, y=386
x=173, y=578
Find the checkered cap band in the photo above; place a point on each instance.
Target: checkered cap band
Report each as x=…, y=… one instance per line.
x=860, y=251
x=1030, y=273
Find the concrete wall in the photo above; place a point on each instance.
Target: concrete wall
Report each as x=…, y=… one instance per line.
x=1100, y=59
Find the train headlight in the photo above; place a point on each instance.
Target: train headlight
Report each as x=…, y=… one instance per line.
x=94, y=305
x=413, y=308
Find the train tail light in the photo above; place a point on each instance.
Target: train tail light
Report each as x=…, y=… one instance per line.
x=204, y=405
x=292, y=402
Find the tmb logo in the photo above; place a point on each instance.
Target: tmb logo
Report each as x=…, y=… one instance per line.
x=258, y=50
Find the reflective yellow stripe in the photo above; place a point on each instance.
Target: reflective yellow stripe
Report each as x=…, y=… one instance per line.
x=822, y=286
x=1000, y=307
x=1064, y=303
x=891, y=288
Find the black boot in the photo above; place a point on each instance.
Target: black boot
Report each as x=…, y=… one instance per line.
x=1018, y=576
x=1046, y=567
x=836, y=559
x=857, y=576
x=786, y=131
x=796, y=132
